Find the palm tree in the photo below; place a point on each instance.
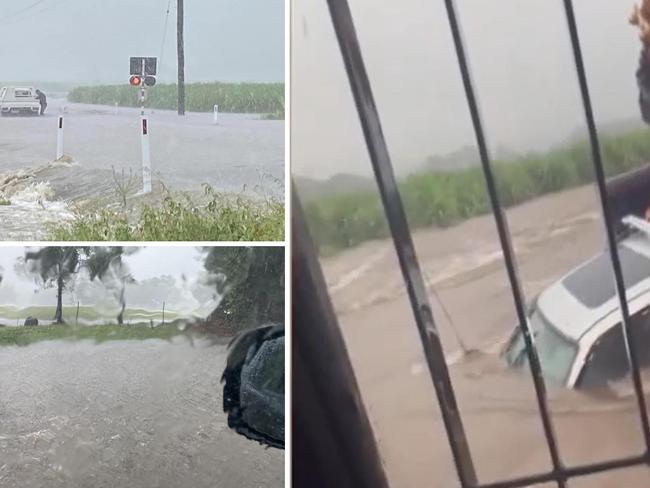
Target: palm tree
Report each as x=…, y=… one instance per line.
x=55, y=266
x=106, y=264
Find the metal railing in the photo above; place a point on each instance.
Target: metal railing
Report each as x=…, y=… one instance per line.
x=412, y=273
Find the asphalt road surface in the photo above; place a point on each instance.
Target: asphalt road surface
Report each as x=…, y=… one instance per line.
x=123, y=414
x=469, y=288
x=241, y=153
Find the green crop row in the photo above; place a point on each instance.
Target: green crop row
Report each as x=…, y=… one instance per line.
x=442, y=198
x=261, y=98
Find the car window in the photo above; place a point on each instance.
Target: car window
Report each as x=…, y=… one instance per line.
x=268, y=373
x=607, y=361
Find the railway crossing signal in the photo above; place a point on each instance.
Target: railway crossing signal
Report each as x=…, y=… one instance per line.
x=143, y=71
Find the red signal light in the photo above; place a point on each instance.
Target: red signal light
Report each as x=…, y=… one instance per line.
x=135, y=80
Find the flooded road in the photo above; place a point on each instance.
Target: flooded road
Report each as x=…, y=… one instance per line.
x=241, y=155
x=122, y=414
x=240, y=152
x=474, y=311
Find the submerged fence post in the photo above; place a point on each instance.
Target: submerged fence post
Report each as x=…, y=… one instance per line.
x=76, y=320
x=59, y=138
x=146, y=155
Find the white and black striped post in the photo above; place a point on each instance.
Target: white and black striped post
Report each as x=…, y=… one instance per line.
x=146, y=156
x=59, y=138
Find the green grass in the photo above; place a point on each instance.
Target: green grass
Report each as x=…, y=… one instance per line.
x=260, y=98
x=222, y=218
x=5, y=201
x=24, y=336
x=86, y=314
x=443, y=198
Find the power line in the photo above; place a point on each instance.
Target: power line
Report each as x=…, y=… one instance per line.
x=162, y=45
x=35, y=13
x=25, y=9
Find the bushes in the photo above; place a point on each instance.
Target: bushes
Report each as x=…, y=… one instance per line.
x=443, y=198
x=223, y=218
x=262, y=98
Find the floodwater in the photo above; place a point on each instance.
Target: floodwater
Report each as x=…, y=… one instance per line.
x=242, y=154
x=474, y=311
x=123, y=414
x=241, y=150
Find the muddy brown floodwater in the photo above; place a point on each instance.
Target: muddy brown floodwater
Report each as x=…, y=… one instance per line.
x=468, y=287
x=122, y=414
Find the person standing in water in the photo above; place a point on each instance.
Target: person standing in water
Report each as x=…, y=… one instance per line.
x=42, y=99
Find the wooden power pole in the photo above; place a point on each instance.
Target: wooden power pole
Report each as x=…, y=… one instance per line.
x=181, y=58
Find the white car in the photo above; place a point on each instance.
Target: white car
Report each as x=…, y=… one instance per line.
x=19, y=100
x=576, y=322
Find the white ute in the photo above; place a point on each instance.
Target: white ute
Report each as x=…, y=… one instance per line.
x=576, y=321
x=19, y=100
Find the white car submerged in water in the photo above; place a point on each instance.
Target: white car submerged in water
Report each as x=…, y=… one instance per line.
x=19, y=101
x=576, y=322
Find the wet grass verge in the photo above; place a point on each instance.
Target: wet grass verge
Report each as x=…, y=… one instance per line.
x=24, y=336
x=443, y=198
x=178, y=218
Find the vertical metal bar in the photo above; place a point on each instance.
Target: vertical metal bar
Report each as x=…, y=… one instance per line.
x=611, y=234
x=383, y=169
x=506, y=244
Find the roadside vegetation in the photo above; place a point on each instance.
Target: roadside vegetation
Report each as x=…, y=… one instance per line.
x=179, y=218
x=86, y=314
x=443, y=198
x=24, y=336
x=259, y=98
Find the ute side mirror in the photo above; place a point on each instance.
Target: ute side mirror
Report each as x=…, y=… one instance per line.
x=253, y=393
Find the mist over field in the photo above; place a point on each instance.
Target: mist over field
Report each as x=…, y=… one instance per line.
x=522, y=67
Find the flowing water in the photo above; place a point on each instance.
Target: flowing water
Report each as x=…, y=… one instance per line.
x=242, y=154
x=474, y=312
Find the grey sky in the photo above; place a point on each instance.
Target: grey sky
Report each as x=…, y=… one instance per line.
x=91, y=40
x=521, y=62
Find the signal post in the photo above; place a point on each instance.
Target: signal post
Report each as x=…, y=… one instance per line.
x=143, y=75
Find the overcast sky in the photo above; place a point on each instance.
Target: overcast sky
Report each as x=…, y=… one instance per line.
x=91, y=40
x=521, y=62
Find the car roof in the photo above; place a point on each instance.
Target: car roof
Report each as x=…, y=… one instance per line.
x=586, y=295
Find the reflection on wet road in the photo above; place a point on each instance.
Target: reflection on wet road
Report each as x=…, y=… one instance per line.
x=123, y=414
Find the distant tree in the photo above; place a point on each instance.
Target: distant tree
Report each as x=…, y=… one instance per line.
x=55, y=267
x=107, y=265
x=251, y=282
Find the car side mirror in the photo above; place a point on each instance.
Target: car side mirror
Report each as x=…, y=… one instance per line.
x=253, y=393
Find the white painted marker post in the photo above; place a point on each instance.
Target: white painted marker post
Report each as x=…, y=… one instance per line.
x=59, y=139
x=146, y=156
x=216, y=114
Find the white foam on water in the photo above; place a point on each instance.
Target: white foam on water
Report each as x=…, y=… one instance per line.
x=31, y=211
